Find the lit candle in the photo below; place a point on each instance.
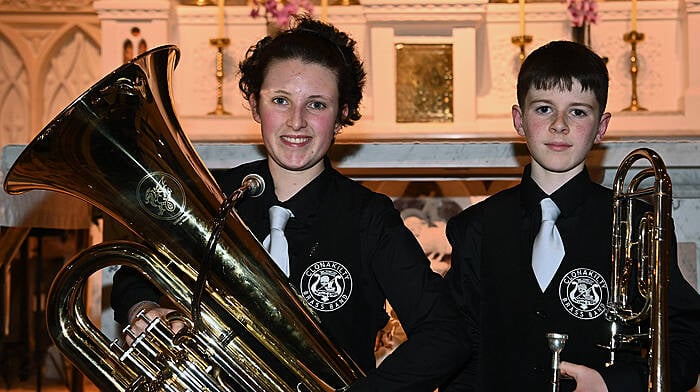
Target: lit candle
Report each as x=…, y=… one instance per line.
x=634, y=15
x=522, y=17
x=221, y=18
x=324, y=10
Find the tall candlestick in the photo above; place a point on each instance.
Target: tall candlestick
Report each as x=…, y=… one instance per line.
x=221, y=18
x=522, y=17
x=220, y=44
x=522, y=39
x=324, y=10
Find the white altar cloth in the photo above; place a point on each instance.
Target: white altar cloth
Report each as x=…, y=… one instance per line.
x=367, y=162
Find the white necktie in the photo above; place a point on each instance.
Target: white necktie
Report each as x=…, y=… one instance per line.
x=548, y=249
x=276, y=242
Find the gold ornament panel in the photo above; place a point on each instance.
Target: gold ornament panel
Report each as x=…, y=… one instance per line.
x=424, y=83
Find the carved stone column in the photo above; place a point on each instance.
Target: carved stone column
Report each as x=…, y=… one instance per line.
x=131, y=23
x=38, y=71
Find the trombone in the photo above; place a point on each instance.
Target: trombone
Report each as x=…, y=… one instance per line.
x=642, y=251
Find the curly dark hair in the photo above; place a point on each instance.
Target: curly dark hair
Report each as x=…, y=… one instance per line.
x=311, y=41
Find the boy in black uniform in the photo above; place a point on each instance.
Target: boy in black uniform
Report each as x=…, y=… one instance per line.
x=348, y=248
x=562, y=93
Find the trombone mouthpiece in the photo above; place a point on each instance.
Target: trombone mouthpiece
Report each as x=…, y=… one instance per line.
x=254, y=183
x=556, y=341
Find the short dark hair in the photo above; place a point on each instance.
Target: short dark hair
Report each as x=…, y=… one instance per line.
x=557, y=64
x=311, y=41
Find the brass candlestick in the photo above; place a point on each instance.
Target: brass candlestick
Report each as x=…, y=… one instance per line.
x=521, y=41
x=220, y=44
x=632, y=38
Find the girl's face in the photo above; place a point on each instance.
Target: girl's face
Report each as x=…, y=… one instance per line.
x=298, y=112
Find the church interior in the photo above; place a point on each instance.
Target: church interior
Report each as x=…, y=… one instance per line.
x=436, y=133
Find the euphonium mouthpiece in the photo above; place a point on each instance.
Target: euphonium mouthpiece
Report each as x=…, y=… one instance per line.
x=254, y=183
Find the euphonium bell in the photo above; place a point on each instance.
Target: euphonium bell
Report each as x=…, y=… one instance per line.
x=119, y=147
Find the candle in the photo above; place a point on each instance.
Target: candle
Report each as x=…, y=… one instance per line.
x=634, y=15
x=221, y=18
x=522, y=17
x=324, y=10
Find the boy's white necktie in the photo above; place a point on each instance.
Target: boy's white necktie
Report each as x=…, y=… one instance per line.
x=276, y=242
x=548, y=249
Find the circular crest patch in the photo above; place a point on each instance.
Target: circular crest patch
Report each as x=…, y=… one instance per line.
x=326, y=285
x=161, y=195
x=584, y=293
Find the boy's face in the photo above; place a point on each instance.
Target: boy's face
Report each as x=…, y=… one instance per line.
x=560, y=127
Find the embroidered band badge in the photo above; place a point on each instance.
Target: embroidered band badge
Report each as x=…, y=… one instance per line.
x=326, y=286
x=584, y=293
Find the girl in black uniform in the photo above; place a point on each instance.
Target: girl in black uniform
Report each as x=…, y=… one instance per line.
x=348, y=248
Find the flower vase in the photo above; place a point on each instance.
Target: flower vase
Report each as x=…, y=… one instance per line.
x=581, y=34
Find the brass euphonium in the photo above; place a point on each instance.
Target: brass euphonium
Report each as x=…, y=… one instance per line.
x=641, y=255
x=119, y=147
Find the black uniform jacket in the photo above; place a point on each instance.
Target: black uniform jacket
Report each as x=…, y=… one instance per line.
x=349, y=251
x=492, y=279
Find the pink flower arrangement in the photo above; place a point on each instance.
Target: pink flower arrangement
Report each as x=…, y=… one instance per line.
x=582, y=12
x=279, y=11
